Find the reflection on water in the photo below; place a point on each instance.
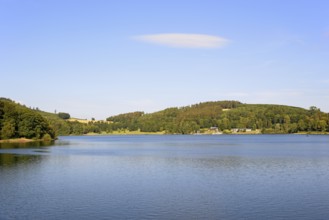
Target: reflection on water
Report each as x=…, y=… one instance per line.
x=22, y=153
x=34, y=144
x=167, y=177
x=13, y=159
x=30, y=148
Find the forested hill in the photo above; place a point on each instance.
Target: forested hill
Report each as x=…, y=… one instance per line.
x=17, y=121
x=226, y=116
x=222, y=116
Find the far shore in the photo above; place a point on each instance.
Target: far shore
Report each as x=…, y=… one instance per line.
x=20, y=140
x=26, y=140
x=126, y=132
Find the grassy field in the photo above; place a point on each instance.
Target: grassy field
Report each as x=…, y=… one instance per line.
x=86, y=121
x=127, y=132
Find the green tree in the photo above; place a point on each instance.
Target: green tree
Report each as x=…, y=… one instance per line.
x=322, y=125
x=20, y=121
x=301, y=125
x=8, y=130
x=64, y=115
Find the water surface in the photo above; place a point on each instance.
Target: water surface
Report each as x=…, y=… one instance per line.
x=167, y=177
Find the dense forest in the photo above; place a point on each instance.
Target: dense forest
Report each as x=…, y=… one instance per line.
x=64, y=126
x=225, y=116
x=18, y=121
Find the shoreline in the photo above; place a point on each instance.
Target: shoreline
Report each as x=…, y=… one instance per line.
x=26, y=140
x=216, y=134
x=18, y=140
x=22, y=140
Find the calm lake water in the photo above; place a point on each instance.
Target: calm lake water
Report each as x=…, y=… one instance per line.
x=167, y=177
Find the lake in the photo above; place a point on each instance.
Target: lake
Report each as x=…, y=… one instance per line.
x=167, y=177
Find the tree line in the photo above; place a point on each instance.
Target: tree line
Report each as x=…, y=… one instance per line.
x=226, y=115
x=19, y=121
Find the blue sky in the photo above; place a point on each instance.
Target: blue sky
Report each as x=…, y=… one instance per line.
x=100, y=58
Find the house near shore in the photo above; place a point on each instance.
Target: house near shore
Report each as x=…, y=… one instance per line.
x=215, y=130
x=235, y=130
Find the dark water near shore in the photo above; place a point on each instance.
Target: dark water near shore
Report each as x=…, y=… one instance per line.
x=167, y=177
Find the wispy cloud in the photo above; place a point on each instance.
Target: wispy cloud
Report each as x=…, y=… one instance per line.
x=185, y=40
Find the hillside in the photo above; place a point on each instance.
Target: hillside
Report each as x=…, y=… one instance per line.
x=17, y=121
x=226, y=116
x=73, y=126
x=60, y=126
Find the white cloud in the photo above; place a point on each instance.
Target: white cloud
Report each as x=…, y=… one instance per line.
x=185, y=40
